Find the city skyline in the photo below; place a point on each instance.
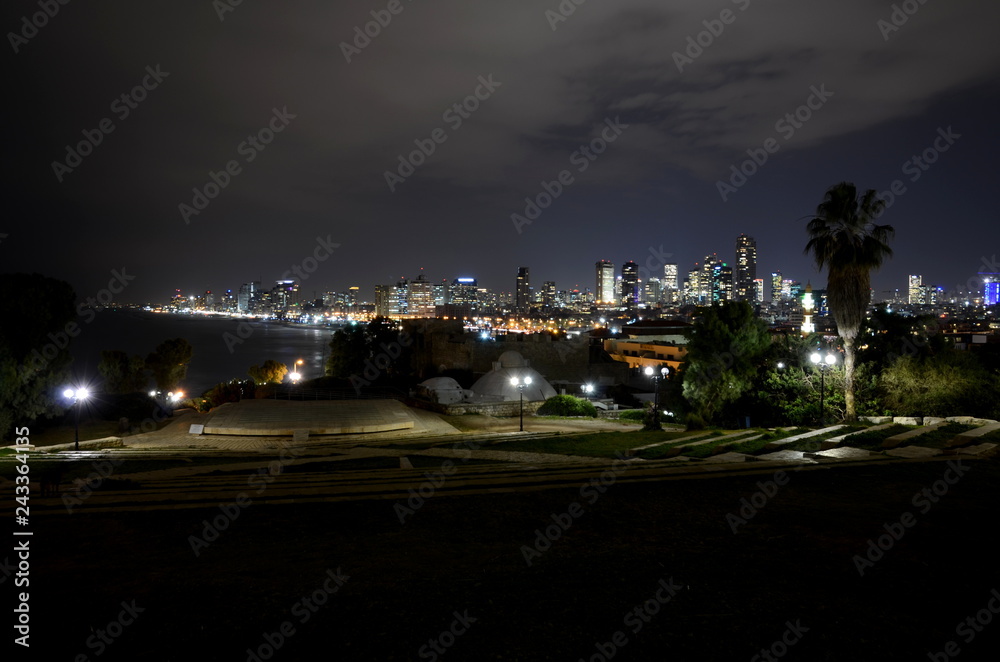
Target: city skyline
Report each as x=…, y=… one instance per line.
x=607, y=133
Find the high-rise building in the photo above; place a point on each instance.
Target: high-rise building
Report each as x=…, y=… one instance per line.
x=669, y=288
x=630, y=284
x=758, y=289
x=652, y=292
x=746, y=268
x=722, y=283
x=991, y=288
x=420, y=300
x=605, y=283
x=522, y=300
x=549, y=293
x=464, y=292
x=285, y=295
x=915, y=290
x=776, y=286
x=249, y=295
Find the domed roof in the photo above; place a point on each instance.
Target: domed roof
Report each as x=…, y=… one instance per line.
x=495, y=386
x=440, y=384
x=511, y=359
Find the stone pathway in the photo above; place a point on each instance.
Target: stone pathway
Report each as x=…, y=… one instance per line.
x=778, y=443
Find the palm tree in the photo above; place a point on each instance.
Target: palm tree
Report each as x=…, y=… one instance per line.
x=844, y=238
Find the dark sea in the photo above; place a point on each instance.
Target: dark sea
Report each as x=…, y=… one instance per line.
x=137, y=332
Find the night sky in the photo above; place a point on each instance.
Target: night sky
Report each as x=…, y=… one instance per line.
x=886, y=91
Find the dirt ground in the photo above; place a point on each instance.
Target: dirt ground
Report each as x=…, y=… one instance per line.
x=414, y=585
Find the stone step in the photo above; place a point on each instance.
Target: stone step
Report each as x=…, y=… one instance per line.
x=896, y=439
x=978, y=449
x=693, y=435
x=786, y=456
x=777, y=444
x=967, y=437
x=730, y=457
x=834, y=442
x=913, y=452
x=844, y=453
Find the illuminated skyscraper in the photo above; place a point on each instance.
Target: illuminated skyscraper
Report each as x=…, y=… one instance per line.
x=991, y=288
x=630, y=284
x=915, y=290
x=746, y=268
x=775, y=286
x=605, y=283
x=522, y=299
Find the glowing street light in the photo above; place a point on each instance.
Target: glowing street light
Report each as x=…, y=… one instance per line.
x=77, y=396
x=657, y=377
x=587, y=390
x=823, y=363
x=520, y=384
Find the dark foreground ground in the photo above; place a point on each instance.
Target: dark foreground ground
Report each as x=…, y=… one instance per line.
x=791, y=563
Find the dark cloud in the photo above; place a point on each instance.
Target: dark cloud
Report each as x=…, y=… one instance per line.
x=325, y=173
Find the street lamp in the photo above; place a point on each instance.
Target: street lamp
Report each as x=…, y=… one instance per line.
x=657, y=377
x=520, y=384
x=587, y=390
x=823, y=363
x=77, y=396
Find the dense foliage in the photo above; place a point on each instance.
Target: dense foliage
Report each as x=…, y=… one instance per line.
x=567, y=405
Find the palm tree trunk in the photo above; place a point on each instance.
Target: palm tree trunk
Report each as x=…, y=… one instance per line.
x=850, y=415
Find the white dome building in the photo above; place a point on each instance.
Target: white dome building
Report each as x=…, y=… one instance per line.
x=443, y=390
x=496, y=386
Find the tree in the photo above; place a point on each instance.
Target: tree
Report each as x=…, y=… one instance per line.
x=168, y=362
x=121, y=373
x=271, y=372
x=348, y=351
x=37, y=314
x=726, y=346
x=844, y=239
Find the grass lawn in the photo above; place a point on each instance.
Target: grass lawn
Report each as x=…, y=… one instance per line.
x=812, y=443
x=938, y=438
x=602, y=444
x=872, y=440
x=992, y=437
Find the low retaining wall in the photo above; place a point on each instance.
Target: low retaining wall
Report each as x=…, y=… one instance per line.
x=502, y=409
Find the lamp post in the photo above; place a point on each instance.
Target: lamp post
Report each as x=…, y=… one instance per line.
x=520, y=384
x=657, y=377
x=77, y=396
x=823, y=363
x=587, y=390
